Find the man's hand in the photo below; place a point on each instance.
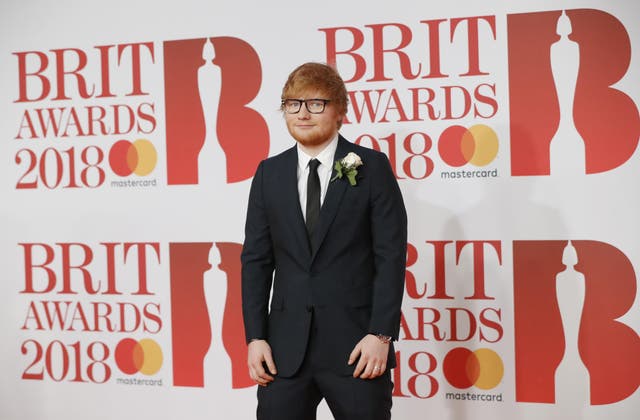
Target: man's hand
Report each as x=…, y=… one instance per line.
x=373, y=357
x=260, y=354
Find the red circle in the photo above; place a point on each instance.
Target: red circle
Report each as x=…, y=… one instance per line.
x=126, y=356
x=461, y=368
x=451, y=147
x=119, y=158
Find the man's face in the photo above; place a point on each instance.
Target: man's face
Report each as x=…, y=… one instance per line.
x=313, y=130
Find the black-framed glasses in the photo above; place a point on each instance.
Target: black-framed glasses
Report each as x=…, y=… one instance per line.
x=314, y=106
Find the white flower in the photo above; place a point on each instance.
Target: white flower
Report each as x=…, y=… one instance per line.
x=347, y=167
x=352, y=160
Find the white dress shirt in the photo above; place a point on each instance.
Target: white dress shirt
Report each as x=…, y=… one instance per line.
x=325, y=169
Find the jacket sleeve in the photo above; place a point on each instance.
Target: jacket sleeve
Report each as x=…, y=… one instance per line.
x=389, y=234
x=257, y=262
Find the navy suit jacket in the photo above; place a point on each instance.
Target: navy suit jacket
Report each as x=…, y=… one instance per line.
x=350, y=281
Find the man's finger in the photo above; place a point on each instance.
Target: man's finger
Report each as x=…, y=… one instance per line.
x=259, y=374
x=368, y=372
x=378, y=370
x=261, y=381
x=360, y=367
x=354, y=354
x=263, y=374
x=271, y=366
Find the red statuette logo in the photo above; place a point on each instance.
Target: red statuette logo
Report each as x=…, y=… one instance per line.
x=191, y=326
x=209, y=84
x=551, y=282
x=561, y=71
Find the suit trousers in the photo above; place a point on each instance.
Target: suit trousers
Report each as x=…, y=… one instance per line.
x=348, y=398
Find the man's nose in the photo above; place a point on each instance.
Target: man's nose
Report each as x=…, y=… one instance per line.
x=304, y=112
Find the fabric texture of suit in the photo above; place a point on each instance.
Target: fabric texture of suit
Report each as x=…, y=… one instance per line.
x=348, y=283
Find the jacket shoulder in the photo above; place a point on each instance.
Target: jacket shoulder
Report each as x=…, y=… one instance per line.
x=279, y=159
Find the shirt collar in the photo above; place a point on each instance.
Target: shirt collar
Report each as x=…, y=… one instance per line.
x=325, y=157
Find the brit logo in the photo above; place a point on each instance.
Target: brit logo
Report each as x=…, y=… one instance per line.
x=565, y=115
x=569, y=297
x=209, y=83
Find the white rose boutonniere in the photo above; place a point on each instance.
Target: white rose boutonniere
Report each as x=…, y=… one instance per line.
x=347, y=166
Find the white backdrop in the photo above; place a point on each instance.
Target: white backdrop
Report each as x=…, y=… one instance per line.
x=129, y=134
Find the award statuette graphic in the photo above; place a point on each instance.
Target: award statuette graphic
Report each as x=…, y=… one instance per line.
x=211, y=159
x=572, y=376
x=567, y=149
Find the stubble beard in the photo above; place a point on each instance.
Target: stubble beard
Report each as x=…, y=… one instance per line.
x=311, y=140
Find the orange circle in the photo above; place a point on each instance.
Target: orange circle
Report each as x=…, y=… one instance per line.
x=147, y=157
x=485, y=145
x=492, y=369
x=152, y=356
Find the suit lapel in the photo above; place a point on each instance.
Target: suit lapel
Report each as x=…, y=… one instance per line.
x=331, y=204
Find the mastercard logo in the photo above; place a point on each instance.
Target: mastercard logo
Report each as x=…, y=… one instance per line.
x=464, y=368
x=139, y=157
x=477, y=145
x=144, y=356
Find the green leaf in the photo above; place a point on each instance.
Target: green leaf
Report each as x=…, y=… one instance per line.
x=338, y=168
x=351, y=175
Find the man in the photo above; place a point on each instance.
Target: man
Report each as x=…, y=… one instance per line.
x=328, y=243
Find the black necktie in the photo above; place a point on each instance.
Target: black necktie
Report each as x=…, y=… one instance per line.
x=313, y=197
